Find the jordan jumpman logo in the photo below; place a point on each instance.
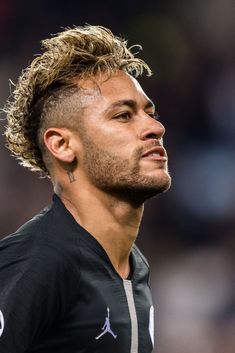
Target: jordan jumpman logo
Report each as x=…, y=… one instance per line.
x=106, y=328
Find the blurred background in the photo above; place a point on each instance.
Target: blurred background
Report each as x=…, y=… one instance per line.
x=187, y=234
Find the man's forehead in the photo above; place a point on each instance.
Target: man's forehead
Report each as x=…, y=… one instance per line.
x=103, y=86
x=87, y=96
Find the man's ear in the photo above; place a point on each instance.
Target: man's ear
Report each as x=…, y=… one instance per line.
x=58, y=142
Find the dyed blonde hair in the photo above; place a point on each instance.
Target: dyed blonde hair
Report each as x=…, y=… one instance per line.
x=79, y=52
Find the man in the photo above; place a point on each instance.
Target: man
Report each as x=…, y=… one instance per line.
x=72, y=280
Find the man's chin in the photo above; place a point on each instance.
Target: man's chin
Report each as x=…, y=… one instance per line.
x=140, y=193
x=152, y=189
x=155, y=190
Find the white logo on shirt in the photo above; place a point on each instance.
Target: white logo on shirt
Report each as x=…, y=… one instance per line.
x=1, y=323
x=151, y=324
x=107, y=327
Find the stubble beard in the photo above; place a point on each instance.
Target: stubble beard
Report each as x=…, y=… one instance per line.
x=120, y=177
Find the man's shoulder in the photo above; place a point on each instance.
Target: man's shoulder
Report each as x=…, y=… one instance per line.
x=49, y=232
x=40, y=252
x=29, y=231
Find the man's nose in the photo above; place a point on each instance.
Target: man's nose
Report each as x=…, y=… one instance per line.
x=152, y=129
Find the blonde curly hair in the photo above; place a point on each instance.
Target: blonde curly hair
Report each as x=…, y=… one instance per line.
x=79, y=52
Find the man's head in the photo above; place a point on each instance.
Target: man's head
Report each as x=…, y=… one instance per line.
x=64, y=107
x=41, y=96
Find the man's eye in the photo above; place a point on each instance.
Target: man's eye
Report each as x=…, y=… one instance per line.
x=154, y=115
x=123, y=116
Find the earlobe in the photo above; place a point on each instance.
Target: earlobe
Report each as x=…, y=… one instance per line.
x=57, y=141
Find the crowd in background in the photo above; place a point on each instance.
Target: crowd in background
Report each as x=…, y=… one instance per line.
x=187, y=234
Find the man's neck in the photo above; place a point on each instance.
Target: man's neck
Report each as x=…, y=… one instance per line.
x=113, y=222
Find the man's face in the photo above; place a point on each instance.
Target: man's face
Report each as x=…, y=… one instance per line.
x=121, y=139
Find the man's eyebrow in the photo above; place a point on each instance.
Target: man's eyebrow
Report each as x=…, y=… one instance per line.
x=129, y=103
x=149, y=104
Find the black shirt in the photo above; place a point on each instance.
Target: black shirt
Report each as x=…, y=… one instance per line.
x=60, y=293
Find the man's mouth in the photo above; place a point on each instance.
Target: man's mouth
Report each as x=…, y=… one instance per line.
x=156, y=153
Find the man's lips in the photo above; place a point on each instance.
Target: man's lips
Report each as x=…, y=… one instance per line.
x=156, y=153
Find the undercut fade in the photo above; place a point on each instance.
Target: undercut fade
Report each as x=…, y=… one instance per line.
x=80, y=52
